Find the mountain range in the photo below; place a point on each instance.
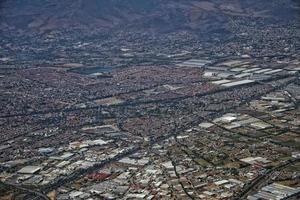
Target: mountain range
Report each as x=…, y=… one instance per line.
x=157, y=15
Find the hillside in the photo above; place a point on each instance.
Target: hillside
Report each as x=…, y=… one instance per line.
x=158, y=15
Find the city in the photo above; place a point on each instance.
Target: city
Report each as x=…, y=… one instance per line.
x=136, y=116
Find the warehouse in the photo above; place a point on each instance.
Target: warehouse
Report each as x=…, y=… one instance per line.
x=29, y=170
x=194, y=63
x=237, y=83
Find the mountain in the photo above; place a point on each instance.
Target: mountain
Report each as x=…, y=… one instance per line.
x=158, y=15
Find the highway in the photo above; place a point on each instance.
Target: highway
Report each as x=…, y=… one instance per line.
x=25, y=190
x=263, y=180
